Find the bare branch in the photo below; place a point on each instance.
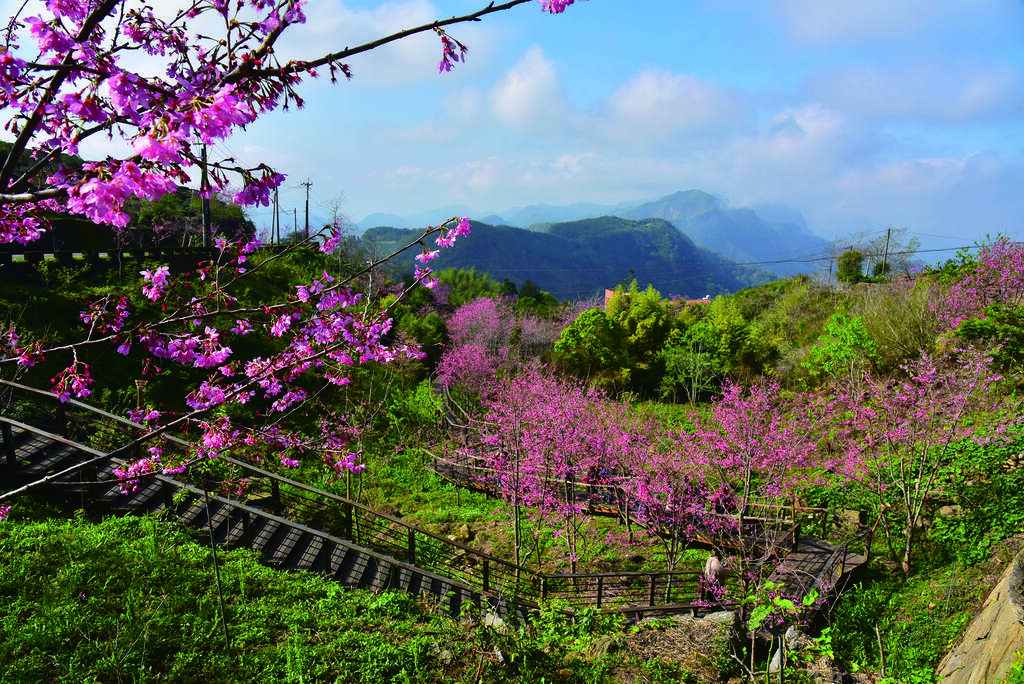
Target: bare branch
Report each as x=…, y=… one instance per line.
x=301, y=66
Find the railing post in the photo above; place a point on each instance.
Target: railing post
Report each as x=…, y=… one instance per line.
x=9, y=455
x=412, y=546
x=247, y=529
x=543, y=587
x=487, y=575
x=651, y=588
x=347, y=509
x=600, y=590
x=325, y=554
x=168, y=495
x=275, y=495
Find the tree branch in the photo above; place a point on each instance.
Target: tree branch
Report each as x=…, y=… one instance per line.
x=293, y=67
x=18, y=148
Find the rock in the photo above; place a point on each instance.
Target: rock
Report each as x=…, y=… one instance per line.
x=464, y=533
x=854, y=516
x=724, y=617
x=496, y=623
x=776, y=662
x=950, y=512
x=602, y=646
x=986, y=650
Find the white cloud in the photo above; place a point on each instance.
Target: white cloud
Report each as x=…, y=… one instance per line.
x=796, y=139
x=332, y=26
x=463, y=105
x=928, y=91
x=529, y=96
x=656, y=104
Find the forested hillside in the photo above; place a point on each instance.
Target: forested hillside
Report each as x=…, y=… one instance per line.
x=582, y=258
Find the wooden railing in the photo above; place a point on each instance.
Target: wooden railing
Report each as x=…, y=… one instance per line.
x=339, y=520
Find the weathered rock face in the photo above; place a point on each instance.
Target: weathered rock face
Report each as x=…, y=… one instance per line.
x=986, y=651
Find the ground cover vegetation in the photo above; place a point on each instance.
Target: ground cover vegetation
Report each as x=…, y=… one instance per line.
x=895, y=400
x=924, y=451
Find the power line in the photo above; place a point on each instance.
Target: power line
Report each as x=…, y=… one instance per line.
x=700, y=264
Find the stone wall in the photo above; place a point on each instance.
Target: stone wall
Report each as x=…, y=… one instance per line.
x=986, y=651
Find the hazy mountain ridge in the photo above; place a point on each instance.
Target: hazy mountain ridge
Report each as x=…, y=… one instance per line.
x=767, y=233
x=581, y=258
x=742, y=234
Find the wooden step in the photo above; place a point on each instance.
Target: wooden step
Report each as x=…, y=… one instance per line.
x=50, y=458
x=278, y=553
x=263, y=532
x=338, y=556
x=142, y=500
x=364, y=571
x=193, y=513
x=306, y=555
x=234, y=529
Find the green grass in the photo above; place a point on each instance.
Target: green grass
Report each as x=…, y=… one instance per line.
x=919, y=619
x=134, y=599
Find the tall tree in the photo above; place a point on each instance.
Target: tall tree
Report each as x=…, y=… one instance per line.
x=76, y=82
x=901, y=435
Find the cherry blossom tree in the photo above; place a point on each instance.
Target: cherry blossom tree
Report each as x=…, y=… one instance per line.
x=542, y=437
x=902, y=435
x=65, y=77
x=995, y=277
x=755, y=450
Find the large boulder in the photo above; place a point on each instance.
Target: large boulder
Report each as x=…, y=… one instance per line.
x=987, y=650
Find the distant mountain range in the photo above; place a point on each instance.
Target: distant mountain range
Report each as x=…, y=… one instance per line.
x=581, y=258
x=770, y=237
x=740, y=234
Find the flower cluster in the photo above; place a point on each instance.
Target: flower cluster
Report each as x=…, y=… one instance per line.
x=72, y=381
x=447, y=235
x=100, y=319
x=996, y=277
x=157, y=282
x=452, y=51
x=81, y=84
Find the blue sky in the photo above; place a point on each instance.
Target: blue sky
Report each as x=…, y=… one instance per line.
x=862, y=115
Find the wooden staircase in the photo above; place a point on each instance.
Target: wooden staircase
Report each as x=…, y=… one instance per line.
x=294, y=526
x=281, y=542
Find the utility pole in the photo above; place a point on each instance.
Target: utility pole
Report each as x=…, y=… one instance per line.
x=204, y=184
x=295, y=220
x=307, y=184
x=885, y=254
x=275, y=221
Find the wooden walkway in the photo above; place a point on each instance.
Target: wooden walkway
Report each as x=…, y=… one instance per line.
x=799, y=562
x=815, y=565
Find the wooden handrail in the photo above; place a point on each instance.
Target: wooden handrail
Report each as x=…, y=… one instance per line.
x=484, y=560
